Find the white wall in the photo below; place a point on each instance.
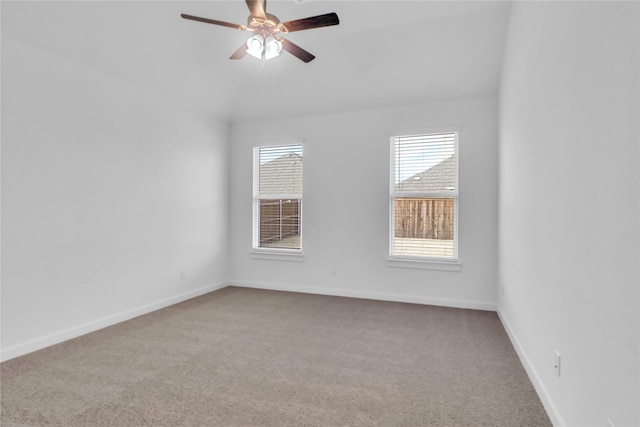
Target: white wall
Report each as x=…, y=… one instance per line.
x=569, y=205
x=346, y=205
x=107, y=194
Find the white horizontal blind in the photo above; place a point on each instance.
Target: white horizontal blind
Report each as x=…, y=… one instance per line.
x=277, y=193
x=424, y=196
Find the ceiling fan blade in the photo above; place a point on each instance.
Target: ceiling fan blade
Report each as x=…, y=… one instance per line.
x=256, y=8
x=297, y=51
x=312, y=22
x=213, y=21
x=240, y=53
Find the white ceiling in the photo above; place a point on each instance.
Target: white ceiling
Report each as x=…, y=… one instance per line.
x=382, y=53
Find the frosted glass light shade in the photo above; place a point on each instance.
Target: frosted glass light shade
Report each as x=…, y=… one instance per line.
x=255, y=45
x=272, y=48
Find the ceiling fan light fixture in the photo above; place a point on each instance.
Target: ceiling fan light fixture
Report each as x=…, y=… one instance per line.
x=255, y=46
x=272, y=47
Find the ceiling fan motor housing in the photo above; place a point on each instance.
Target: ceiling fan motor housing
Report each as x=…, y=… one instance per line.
x=269, y=25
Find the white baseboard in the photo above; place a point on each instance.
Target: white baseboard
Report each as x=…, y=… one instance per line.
x=58, y=337
x=444, y=302
x=548, y=404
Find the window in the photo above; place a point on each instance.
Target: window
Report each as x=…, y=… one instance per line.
x=277, y=197
x=424, y=196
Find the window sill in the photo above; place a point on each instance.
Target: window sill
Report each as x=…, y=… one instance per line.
x=277, y=255
x=424, y=264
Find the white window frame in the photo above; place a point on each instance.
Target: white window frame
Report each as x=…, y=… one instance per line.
x=258, y=252
x=424, y=262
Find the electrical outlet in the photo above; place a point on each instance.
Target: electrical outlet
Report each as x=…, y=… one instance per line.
x=183, y=274
x=556, y=362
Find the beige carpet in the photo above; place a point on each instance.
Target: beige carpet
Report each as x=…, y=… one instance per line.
x=240, y=357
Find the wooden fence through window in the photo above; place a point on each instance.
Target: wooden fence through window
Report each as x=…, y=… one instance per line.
x=424, y=218
x=279, y=218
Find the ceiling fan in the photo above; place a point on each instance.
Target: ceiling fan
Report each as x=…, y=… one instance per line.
x=267, y=42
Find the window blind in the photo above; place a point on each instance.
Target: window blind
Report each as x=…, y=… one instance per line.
x=424, y=196
x=277, y=210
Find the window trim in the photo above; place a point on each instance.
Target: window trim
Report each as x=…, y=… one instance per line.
x=421, y=263
x=257, y=252
x=424, y=262
x=277, y=254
